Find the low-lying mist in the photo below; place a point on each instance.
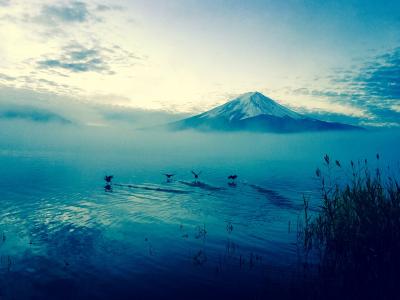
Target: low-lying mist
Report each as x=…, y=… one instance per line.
x=123, y=140
x=33, y=123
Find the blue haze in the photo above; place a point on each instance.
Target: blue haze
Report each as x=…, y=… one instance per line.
x=65, y=235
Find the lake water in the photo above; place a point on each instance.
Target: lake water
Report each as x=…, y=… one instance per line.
x=64, y=236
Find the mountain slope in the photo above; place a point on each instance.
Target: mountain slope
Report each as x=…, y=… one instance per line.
x=255, y=112
x=250, y=105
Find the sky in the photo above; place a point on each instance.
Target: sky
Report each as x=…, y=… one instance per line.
x=339, y=60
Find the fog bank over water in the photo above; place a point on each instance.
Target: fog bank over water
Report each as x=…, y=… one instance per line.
x=42, y=107
x=122, y=140
x=145, y=234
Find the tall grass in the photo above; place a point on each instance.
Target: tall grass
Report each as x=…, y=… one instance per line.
x=353, y=239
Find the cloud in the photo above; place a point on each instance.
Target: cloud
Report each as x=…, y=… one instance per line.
x=334, y=117
x=372, y=87
x=382, y=78
x=396, y=107
x=43, y=107
x=379, y=124
x=32, y=105
x=386, y=114
x=102, y=7
x=138, y=117
x=32, y=114
x=4, y=2
x=72, y=12
x=377, y=86
x=5, y=77
x=327, y=104
x=76, y=58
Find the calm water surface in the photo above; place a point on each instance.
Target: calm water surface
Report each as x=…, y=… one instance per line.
x=63, y=236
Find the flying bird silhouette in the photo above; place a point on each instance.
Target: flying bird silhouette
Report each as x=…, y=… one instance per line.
x=108, y=178
x=169, y=176
x=196, y=175
x=232, y=177
x=232, y=183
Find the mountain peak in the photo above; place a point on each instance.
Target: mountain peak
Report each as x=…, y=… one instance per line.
x=255, y=98
x=255, y=112
x=248, y=105
x=253, y=94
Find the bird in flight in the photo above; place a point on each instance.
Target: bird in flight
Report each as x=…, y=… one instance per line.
x=232, y=183
x=196, y=175
x=169, y=176
x=232, y=177
x=108, y=178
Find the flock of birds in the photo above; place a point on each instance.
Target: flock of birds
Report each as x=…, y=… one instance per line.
x=169, y=177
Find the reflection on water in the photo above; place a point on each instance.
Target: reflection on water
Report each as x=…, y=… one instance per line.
x=69, y=231
x=65, y=234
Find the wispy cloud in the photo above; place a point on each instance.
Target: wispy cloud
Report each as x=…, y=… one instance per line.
x=381, y=79
x=138, y=117
x=41, y=107
x=335, y=117
x=32, y=114
x=103, y=7
x=72, y=12
x=396, y=107
x=5, y=77
x=76, y=58
x=369, y=92
x=376, y=86
x=175, y=55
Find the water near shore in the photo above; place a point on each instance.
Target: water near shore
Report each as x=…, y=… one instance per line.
x=64, y=236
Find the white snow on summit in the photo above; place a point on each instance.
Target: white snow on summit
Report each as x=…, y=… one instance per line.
x=250, y=105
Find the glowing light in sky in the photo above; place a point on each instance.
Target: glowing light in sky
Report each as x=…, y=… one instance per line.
x=192, y=55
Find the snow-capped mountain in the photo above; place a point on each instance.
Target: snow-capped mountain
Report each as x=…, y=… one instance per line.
x=250, y=105
x=255, y=112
